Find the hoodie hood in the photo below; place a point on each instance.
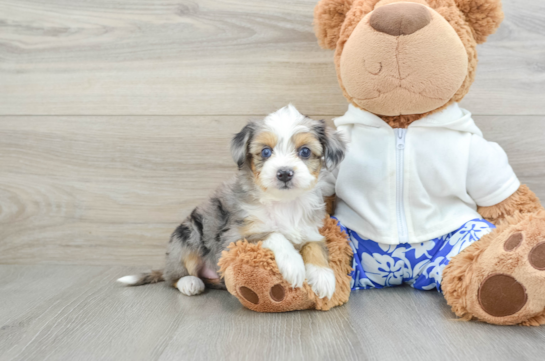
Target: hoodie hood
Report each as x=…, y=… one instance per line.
x=453, y=118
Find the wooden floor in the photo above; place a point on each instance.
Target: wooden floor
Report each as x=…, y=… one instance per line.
x=115, y=121
x=80, y=313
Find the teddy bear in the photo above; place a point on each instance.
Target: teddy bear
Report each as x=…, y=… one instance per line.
x=421, y=197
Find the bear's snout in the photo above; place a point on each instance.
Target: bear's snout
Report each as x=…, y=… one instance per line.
x=402, y=58
x=400, y=19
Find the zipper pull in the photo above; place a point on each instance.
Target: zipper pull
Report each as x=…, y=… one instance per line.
x=400, y=139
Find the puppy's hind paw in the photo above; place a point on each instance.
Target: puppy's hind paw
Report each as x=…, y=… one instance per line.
x=190, y=285
x=321, y=280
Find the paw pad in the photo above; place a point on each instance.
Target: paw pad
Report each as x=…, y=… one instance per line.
x=513, y=241
x=537, y=256
x=249, y=295
x=277, y=293
x=501, y=295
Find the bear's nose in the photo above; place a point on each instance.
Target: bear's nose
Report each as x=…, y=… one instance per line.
x=400, y=19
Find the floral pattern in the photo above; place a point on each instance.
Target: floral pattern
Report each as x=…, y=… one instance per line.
x=420, y=265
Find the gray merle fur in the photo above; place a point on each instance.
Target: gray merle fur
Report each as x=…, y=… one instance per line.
x=332, y=143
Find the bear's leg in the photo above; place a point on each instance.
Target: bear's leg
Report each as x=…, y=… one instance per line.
x=255, y=280
x=251, y=274
x=501, y=278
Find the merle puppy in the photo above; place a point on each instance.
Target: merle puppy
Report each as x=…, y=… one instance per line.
x=277, y=196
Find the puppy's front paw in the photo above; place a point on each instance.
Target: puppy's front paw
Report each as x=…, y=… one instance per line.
x=190, y=285
x=291, y=267
x=321, y=280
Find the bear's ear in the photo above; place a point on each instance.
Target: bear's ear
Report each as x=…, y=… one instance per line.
x=484, y=16
x=328, y=19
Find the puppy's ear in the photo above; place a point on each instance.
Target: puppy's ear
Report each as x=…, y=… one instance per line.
x=333, y=143
x=484, y=16
x=239, y=144
x=328, y=19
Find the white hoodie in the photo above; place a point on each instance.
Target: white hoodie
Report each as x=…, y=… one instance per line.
x=413, y=185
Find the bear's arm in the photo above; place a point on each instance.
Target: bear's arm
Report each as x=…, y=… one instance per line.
x=522, y=201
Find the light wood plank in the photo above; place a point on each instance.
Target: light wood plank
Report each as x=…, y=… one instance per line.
x=84, y=190
x=212, y=57
x=110, y=190
x=93, y=318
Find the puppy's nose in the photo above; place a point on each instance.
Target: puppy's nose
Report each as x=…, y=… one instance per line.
x=400, y=19
x=284, y=175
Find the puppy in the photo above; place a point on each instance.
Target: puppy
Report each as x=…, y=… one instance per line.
x=277, y=196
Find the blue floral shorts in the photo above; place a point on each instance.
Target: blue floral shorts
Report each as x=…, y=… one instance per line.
x=420, y=265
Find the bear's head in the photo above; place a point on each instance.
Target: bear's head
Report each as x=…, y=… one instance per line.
x=405, y=59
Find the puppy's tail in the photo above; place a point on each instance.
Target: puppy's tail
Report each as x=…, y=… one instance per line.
x=142, y=279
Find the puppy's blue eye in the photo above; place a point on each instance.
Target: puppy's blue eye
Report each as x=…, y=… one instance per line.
x=304, y=152
x=266, y=152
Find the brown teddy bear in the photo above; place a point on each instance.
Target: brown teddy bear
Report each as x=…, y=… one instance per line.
x=422, y=198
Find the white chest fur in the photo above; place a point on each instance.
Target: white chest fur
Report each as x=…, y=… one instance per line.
x=299, y=220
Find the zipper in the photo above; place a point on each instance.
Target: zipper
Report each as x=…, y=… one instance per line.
x=402, y=229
